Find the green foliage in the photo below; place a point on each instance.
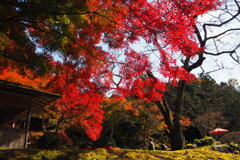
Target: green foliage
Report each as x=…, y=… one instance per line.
x=208, y=107
x=205, y=141
x=49, y=141
x=132, y=138
x=234, y=147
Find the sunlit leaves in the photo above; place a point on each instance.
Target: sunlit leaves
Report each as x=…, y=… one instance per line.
x=33, y=32
x=28, y=79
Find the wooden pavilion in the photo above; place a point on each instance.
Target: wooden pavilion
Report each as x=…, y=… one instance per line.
x=18, y=101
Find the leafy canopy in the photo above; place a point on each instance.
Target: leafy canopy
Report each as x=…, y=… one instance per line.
x=33, y=33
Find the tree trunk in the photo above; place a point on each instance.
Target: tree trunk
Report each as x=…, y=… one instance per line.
x=111, y=134
x=174, y=123
x=175, y=130
x=177, y=138
x=59, y=122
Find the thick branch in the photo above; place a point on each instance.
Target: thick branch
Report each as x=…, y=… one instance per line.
x=201, y=58
x=198, y=63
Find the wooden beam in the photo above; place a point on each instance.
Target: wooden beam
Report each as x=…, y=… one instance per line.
x=14, y=99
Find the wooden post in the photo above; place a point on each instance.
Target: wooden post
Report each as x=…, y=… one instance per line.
x=13, y=124
x=43, y=121
x=27, y=124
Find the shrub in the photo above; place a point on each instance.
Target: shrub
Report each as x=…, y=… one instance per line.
x=204, y=141
x=233, y=147
x=49, y=141
x=33, y=139
x=78, y=137
x=106, y=141
x=134, y=138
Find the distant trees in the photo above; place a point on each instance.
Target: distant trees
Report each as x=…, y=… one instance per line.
x=212, y=105
x=209, y=121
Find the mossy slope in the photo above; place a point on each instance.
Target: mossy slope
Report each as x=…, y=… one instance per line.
x=116, y=154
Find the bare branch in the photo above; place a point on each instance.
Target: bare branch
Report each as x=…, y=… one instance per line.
x=205, y=25
x=223, y=52
x=222, y=33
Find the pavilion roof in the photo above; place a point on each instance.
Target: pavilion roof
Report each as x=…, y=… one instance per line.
x=16, y=98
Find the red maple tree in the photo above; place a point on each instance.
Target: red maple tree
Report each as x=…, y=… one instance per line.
x=35, y=32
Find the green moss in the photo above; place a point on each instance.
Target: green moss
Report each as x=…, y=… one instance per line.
x=47, y=154
x=117, y=154
x=98, y=154
x=139, y=156
x=205, y=141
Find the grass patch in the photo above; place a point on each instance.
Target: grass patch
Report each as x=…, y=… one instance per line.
x=116, y=154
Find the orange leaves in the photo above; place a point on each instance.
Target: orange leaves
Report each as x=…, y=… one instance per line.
x=136, y=113
x=28, y=79
x=154, y=108
x=127, y=107
x=159, y=117
x=185, y=121
x=133, y=108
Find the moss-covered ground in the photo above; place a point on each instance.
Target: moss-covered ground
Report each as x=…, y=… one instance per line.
x=203, y=153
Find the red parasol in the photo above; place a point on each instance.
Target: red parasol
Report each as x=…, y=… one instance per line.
x=218, y=130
